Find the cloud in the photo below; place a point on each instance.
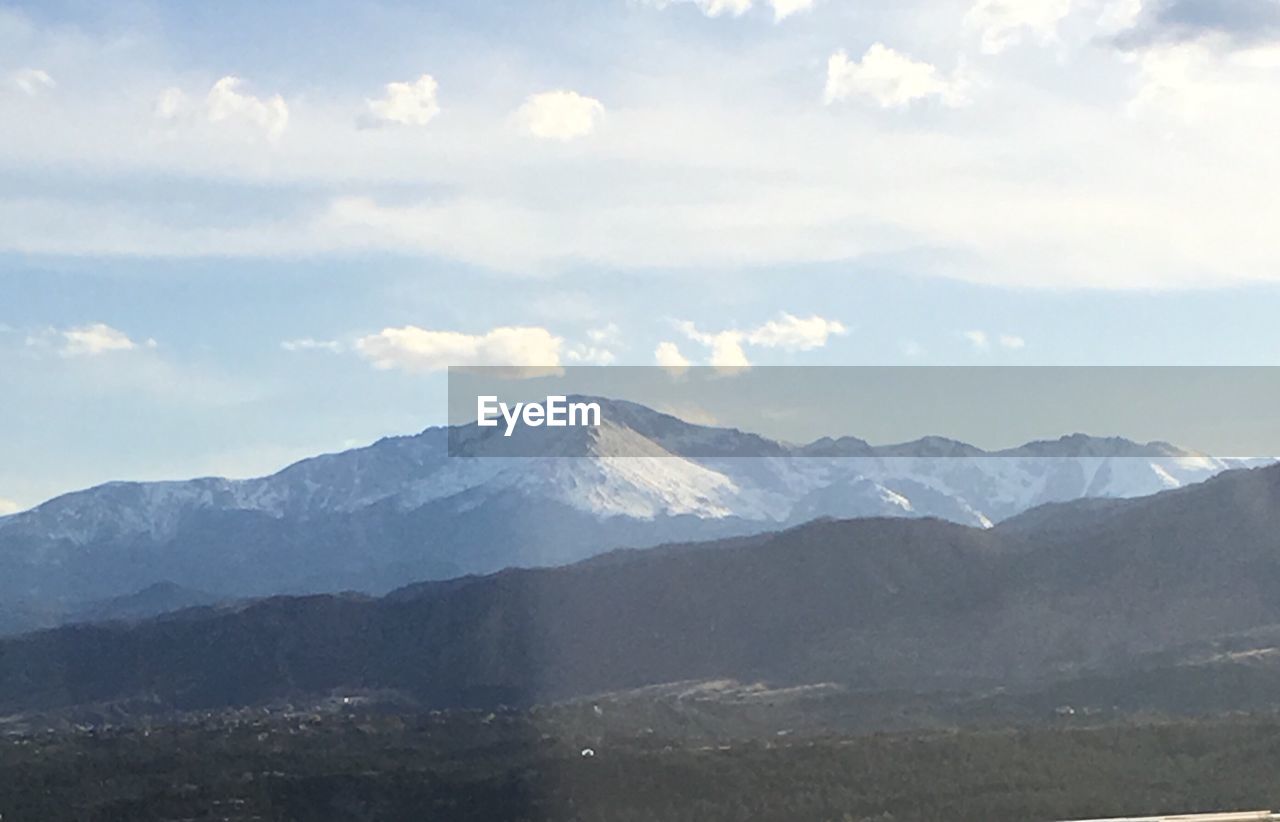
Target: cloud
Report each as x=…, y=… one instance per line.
x=792, y=333
x=226, y=104
x=1119, y=16
x=599, y=348
x=715, y=8
x=1175, y=21
x=981, y=340
x=590, y=355
x=783, y=9
x=726, y=346
x=409, y=104
x=609, y=334
x=668, y=355
x=559, y=115
x=8, y=506
x=417, y=350
x=171, y=104
x=1012, y=342
x=309, y=344
x=788, y=332
x=32, y=81
x=1193, y=81
x=978, y=339
x=1003, y=23
x=98, y=361
x=86, y=340
x=1043, y=185
x=892, y=79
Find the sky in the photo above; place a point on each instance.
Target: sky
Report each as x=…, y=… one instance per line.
x=236, y=234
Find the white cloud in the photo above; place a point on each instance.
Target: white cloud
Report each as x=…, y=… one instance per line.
x=97, y=338
x=410, y=104
x=726, y=346
x=892, y=79
x=599, y=349
x=1206, y=81
x=590, y=355
x=1012, y=342
x=912, y=348
x=788, y=332
x=668, y=355
x=33, y=81
x=1119, y=15
x=711, y=8
x=559, y=115
x=8, y=506
x=783, y=9
x=1043, y=186
x=309, y=344
x=98, y=360
x=609, y=334
x=171, y=104
x=715, y=8
x=981, y=340
x=1003, y=23
x=225, y=103
x=415, y=349
x=792, y=333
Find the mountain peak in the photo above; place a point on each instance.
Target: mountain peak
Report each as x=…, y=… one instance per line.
x=421, y=507
x=930, y=446
x=1085, y=445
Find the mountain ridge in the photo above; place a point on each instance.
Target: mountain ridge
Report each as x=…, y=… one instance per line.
x=872, y=604
x=404, y=508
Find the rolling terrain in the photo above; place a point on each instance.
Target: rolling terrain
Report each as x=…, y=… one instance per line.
x=1186, y=580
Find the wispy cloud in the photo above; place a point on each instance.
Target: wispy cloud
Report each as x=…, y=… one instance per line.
x=719, y=155
x=309, y=344
x=788, y=333
x=1002, y=23
x=33, y=81
x=599, y=348
x=92, y=340
x=1012, y=342
x=711, y=8
x=417, y=350
x=792, y=333
x=1172, y=21
x=982, y=341
x=782, y=9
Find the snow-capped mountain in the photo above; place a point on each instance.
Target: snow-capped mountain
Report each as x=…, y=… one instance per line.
x=404, y=508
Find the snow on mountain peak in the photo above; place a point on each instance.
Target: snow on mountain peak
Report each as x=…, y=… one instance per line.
x=643, y=464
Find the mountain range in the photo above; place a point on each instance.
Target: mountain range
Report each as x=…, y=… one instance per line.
x=1175, y=593
x=439, y=504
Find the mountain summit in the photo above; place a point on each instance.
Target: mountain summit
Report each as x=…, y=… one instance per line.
x=403, y=509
